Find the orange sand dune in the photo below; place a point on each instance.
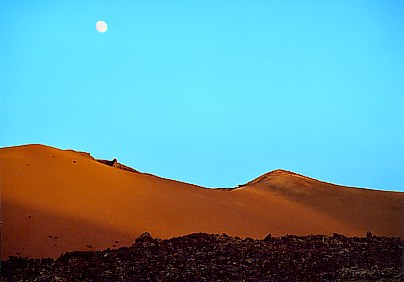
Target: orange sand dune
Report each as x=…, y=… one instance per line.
x=47, y=192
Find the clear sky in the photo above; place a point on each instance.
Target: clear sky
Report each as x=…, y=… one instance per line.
x=213, y=93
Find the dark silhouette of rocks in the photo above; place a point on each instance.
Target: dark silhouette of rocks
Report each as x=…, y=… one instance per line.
x=114, y=163
x=144, y=238
x=268, y=238
x=213, y=257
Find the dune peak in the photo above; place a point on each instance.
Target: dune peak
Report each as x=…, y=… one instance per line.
x=274, y=174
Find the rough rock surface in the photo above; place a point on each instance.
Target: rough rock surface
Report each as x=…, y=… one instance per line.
x=212, y=257
x=114, y=163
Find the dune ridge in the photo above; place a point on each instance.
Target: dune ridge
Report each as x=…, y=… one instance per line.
x=50, y=192
x=277, y=172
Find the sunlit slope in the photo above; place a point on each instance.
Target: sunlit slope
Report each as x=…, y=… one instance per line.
x=47, y=192
x=381, y=212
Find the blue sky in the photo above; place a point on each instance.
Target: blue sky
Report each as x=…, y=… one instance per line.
x=213, y=93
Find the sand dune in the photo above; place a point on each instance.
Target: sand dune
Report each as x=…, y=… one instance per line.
x=47, y=192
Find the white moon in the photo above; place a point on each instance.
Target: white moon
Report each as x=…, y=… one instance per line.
x=101, y=26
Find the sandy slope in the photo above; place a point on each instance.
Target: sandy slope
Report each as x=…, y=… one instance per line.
x=88, y=205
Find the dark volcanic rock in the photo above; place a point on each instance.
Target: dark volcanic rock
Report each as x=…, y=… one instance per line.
x=144, y=237
x=212, y=257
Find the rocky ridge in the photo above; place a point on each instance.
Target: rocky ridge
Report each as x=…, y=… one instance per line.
x=213, y=257
x=116, y=164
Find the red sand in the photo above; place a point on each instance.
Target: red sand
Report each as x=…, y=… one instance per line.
x=47, y=192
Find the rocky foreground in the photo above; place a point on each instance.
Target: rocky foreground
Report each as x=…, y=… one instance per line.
x=212, y=257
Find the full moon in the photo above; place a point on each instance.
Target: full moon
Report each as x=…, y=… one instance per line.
x=101, y=26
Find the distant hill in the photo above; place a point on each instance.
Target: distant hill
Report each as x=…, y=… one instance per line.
x=54, y=201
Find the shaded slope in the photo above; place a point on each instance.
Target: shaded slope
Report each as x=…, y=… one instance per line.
x=67, y=186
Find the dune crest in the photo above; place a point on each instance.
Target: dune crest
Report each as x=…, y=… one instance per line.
x=275, y=173
x=51, y=192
